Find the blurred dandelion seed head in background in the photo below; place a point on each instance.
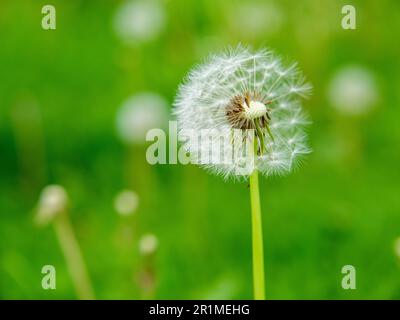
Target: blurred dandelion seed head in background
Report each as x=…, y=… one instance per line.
x=353, y=90
x=148, y=244
x=53, y=201
x=140, y=113
x=126, y=202
x=241, y=90
x=256, y=18
x=139, y=21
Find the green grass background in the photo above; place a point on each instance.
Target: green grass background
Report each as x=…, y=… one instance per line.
x=342, y=207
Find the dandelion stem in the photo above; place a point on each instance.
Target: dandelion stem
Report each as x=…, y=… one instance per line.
x=73, y=256
x=257, y=239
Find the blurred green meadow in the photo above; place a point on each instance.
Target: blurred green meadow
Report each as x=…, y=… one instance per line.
x=60, y=94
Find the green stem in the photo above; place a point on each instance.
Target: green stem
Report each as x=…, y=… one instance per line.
x=257, y=239
x=73, y=257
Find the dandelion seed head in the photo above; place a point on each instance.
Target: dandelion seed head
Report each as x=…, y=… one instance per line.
x=353, y=90
x=250, y=92
x=139, y=21
x=266, y=18
x=126, y=202
x=140, y=113
x=53, y=200
x=148, y=244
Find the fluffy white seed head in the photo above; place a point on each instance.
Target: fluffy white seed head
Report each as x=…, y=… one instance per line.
x=139, y=21
x=140, y=113
x=148, y=244
x=53, y=201
x=246, y=92
x=259, y=18
x=126, y=202
x=353, y=90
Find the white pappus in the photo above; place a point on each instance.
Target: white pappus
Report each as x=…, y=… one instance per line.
x=250, y=92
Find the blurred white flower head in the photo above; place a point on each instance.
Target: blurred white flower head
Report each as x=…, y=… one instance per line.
x=139, y=21
x=256, y=18
x=140, y=113
x=252, y=93
x=53, y=201
x=148, y=244
x=126, y=202
x=353, y=90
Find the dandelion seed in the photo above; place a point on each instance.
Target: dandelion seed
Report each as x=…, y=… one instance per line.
x=140, y=113
x=254, y=96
